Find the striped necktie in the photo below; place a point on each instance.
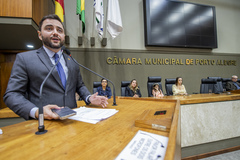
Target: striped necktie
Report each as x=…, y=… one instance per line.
x=60, y=70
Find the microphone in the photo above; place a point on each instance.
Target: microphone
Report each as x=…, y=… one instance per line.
x=68, y=52
x=41, y=127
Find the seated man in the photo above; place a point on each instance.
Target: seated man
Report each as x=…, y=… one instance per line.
x=233, y=85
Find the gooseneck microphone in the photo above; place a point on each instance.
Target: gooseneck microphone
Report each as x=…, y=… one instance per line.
x=41, y=128
x=68, y=53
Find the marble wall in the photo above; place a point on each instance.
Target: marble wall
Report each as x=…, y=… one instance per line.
x=209, y=122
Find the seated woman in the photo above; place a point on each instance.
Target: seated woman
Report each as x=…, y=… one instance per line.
x=133, y=90
x=104, y=90
x=178, y=88
x=156, y=91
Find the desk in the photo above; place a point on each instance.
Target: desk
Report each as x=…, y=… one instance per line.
x=209, y=122
x=70, y=139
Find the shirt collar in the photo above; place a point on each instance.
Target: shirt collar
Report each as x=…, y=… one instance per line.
x=51, y=53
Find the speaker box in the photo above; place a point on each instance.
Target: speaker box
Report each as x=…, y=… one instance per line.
x=92, y=40
x=104, y=41
x=80, y=41
x=67, y=40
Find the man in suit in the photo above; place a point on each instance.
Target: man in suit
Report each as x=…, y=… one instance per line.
x=30, y=69
x=233, y=85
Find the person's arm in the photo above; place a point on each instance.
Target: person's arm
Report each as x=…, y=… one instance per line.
x=161, y=92
x=228, y=86
x=153, y=93
x=184, y=90
x=16, y=92
x=99, y=90
x=127, y=92
x=174, y=89
x=109, y=92
x=139, y=93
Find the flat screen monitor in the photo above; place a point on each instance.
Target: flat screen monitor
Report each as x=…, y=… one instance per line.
x=172, y=23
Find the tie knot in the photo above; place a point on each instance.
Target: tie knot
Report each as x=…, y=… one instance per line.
x=56, y=55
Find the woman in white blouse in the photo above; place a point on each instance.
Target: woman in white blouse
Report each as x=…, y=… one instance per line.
x=178, y=88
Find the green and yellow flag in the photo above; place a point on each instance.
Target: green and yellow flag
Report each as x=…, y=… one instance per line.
x=81, y=13
x=59, y=9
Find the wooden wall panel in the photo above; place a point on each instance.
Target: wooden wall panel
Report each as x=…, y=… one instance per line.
x=42, y=8
x=6, y=63
x=16, y=8
x=5, y=72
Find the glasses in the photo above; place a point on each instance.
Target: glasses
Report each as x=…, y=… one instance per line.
x=104, y=81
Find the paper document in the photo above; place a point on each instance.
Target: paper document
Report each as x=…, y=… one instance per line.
x=92, y=115
x=145, y=146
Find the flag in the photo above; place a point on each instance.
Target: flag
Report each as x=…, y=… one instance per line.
x=114, y=20
x=59, y=9
x=98, y=5
x=81, y=13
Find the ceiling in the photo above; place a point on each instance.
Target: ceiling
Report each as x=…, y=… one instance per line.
x=17, y=33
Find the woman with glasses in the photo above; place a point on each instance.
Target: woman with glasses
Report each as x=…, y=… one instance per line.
x=104, y=90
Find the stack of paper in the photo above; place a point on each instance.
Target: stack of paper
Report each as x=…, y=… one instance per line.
x=92, y=115
x=145, y=146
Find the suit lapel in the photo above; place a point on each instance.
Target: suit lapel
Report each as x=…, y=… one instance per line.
x=47, y=62
x=69, y=64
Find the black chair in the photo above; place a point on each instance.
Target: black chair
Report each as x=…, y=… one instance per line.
x=168, y=85
x=224, y=82
x=219, y=83
x=95, y=86
x=124, y=85
x=151, y=82
x=207, y=85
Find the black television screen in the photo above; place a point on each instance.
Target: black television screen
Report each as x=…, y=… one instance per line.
x=174, y=23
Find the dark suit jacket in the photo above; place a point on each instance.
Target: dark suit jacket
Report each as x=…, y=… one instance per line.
x=107, y=92
x=130, y=93
x=230, y=86
x=29, y=71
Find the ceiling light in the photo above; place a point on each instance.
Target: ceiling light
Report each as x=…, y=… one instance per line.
x=30, y=46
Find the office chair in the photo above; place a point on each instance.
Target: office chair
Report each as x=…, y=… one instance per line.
x=168, y=85
x=124, y=85
x=219, y=83
x=151, y=81
x=224, y=82
x=95, y=86
x=208, y=84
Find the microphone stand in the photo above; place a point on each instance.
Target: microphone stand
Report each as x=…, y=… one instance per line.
x=41, y=127
x=114, y=96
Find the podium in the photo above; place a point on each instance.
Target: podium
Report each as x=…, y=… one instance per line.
x=71, y=139
x=235, y=91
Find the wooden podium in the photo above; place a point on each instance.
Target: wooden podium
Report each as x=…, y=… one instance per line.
x=235, y=91
x=71, y=139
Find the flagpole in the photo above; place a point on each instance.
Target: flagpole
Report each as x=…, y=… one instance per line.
x=67, y=40
x=79, y=31
x=104, y=40
x=92, y=39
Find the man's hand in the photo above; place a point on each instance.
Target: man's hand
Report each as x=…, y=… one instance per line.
x=47, y=112
x=136, y=96
x=98, y=100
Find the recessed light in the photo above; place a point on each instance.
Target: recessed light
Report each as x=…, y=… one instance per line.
x=30, y=46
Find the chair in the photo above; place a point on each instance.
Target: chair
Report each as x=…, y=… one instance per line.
x=124, y=85
x=168, y=85
x=95, y=86
x=208, y=84
x=219, y=83
x=151, y=82
x=224, y=82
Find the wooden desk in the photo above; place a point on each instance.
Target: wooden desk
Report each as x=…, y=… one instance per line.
x=207, y=122
x=201, y=98
x=70, y=139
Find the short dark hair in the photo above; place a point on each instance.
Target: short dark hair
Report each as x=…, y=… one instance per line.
x=103, y=79
x=50, y=16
